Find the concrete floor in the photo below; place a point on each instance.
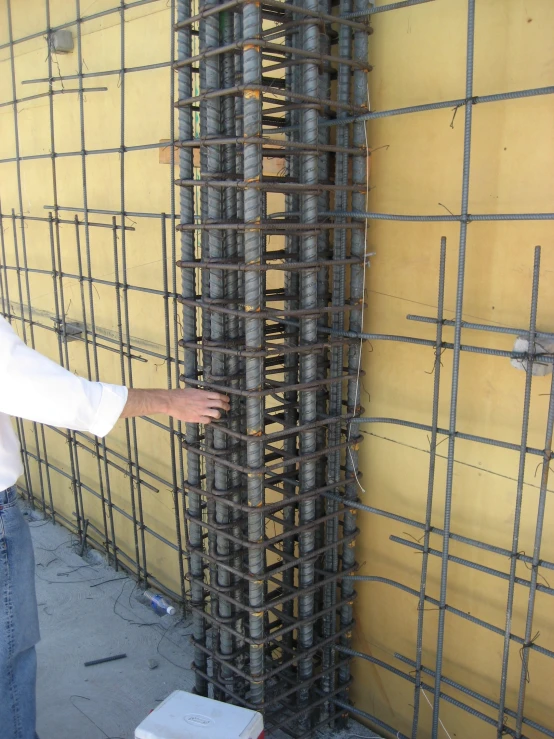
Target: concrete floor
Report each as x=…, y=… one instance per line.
x=89, y=611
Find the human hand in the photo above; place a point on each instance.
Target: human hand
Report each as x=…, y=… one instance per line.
x=196, y=406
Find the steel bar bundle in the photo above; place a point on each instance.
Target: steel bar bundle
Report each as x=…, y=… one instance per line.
x=263, y=271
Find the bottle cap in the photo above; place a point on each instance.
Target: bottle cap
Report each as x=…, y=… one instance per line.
x=171, y=610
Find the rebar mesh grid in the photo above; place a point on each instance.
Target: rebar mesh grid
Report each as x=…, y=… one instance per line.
x=505, y=719
x=272, y=226
x=57, y=292
x=254, y=98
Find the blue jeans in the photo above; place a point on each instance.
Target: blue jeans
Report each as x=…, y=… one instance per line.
x=19, y=631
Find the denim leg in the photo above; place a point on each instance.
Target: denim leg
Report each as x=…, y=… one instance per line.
x=19, y=631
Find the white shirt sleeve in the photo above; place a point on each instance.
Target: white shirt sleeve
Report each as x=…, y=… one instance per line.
x=36, y=389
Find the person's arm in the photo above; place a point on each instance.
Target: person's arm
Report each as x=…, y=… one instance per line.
x=192, y=406
x=36, y=389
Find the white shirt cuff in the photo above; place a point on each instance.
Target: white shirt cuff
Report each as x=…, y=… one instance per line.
x=111, y=406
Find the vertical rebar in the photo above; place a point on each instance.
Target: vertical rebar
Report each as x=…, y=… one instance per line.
x=173, y=369
x=188, y=286
x=308, y=361
x=455, y=362
x=254, y=338
x=99, y=444
x=357, y=283
x=131, y=424
x=291, y=283
x=430, y=487
x=528, y=638
x=23, y=305
x=6, y=307
x=519, y=493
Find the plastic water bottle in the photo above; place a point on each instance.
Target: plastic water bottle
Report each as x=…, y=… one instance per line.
x=160, y=605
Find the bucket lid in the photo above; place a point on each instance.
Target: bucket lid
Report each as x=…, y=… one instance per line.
x=187, y=716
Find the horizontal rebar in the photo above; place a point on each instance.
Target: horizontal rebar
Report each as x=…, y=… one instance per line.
x=423, y=686
x=434, y=530
x=103, y=211
x=479, y=697
x=373, y=10
x=49, y=93
x=473, y=565
x=469, y=218
x=287, y=9
x=104, y=73
x=445, y=432
x=86, y=152
x=453, y=104
x=78, y=20
x=457, y=612
x=484, y=327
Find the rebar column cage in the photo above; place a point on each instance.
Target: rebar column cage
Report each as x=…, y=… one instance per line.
x=264, y=277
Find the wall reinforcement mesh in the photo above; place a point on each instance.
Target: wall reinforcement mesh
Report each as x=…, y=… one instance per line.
x=236, y=260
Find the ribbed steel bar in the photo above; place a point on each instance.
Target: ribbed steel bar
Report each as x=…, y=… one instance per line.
x=492, y=328
x=129, y=462
x=253, y=302
x=267, y=252
x=178, y=430
x=6, y=305
x=291, y=281
x=103, y=73
x=308, y=362
x=61, y=325
x=172, y=327
x=188, y=286
x=4, y=289
x=88, y=152
x=519, y=493
x=87, y=225
x=75, y=320
x=430, y=489
x=481, y=698
x=78, y=21
x=49, y=94
x=448, y=493
x=124, y=321
x=229, y=516
x=529, y=637
x=373, y=9
x=443, y=218
x=218, y=512
x=100, y=446
x=460, y=435
x=452, y=104
x=358, y=239
x=445, y=696
x=473, y=565
x=336, y=354
x=455, y=611
x=23, y=247
x=440, y=532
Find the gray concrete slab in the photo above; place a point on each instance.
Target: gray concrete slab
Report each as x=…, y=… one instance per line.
x=88, y=611
x=83, y=617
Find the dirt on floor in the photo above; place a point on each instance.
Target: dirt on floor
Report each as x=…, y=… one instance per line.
x=89, y=611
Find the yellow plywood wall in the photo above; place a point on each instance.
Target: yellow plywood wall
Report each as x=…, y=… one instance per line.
x=147, y=188
x=419, y=57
